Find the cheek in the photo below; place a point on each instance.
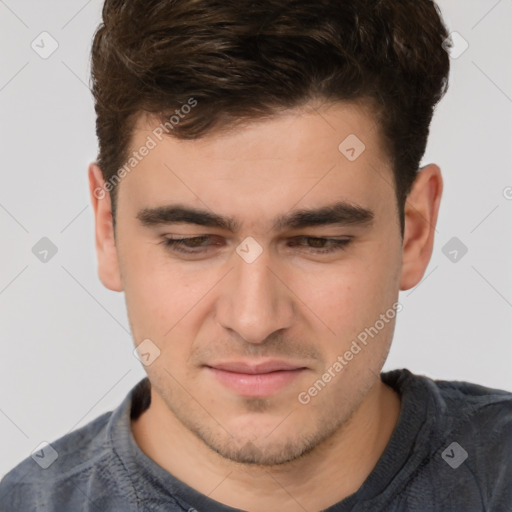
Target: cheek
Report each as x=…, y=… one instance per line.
x=156, y=294
x=350, y=297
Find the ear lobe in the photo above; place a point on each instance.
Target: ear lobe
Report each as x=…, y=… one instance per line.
x=106, y=250
x=421, y=212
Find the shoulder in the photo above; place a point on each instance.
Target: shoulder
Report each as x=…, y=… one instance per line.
x=477, y=442
x=455, y=402
x=66, y=459
x=469, y=441
x=462, y=407
x=482, y=418
x=475, y=407
x=58, y=472
x=83, y=469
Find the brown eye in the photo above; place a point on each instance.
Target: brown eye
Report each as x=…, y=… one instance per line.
x=187, y=245
x=321, y=245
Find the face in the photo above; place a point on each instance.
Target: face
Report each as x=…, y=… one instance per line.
x=291, y=252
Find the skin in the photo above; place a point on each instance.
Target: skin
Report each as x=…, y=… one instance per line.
x=291, y=303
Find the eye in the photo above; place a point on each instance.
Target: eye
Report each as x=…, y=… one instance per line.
x=315, y=245
x=319, y=245
x=187, y=245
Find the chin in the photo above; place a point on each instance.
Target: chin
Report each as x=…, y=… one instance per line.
x=262, y=452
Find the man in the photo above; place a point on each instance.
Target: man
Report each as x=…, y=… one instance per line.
x=257, y=198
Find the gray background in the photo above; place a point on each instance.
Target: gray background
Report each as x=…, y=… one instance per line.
x=66, y=346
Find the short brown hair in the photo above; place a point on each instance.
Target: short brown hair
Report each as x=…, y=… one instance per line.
x=248, y=60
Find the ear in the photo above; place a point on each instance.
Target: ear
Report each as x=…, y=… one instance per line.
x=421, y=210
x=106, y=250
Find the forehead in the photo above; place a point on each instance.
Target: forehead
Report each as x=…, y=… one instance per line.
x=309, y=155
x=312, y=127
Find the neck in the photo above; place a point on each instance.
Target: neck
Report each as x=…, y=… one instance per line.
x=337, y=467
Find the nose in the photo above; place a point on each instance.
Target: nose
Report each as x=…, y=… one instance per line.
x=254, y=302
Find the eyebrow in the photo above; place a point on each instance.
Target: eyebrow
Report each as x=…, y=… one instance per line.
x=340, y=213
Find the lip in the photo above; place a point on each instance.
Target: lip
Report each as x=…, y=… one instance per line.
x=256, y=380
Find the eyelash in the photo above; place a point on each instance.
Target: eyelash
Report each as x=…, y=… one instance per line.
x=178, y=244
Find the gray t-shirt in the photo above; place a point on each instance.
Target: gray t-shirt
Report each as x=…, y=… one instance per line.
x=451, y=451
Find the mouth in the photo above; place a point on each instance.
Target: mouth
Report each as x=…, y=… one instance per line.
x=256, y=380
